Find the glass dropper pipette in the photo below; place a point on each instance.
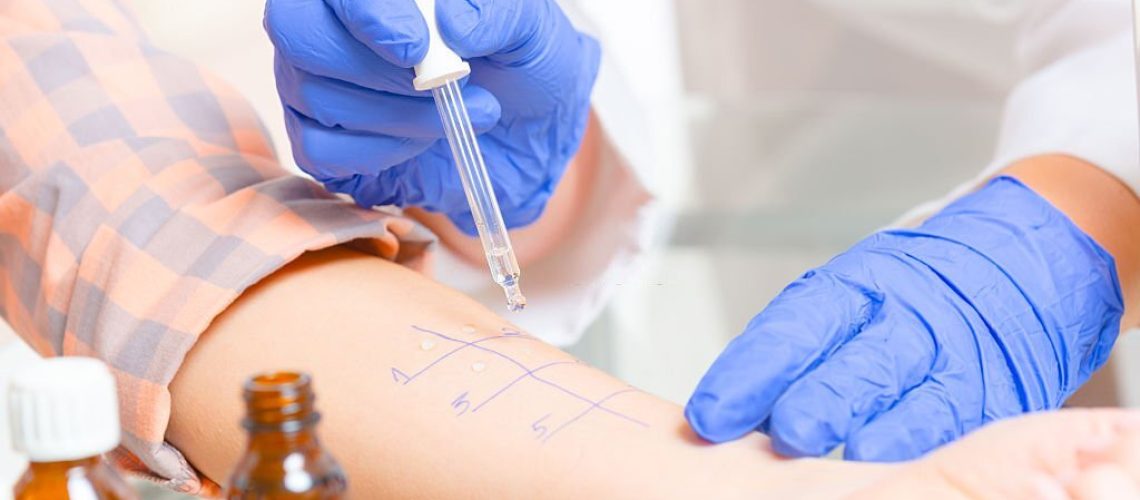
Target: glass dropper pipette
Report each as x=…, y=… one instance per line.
x=440, y=72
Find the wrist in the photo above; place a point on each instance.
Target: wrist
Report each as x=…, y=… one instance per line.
x=1101, y=205
x=1047, y=291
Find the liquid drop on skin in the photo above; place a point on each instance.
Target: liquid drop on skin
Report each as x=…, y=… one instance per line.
x=468, y=329
x=427, y=345
x=478, y=367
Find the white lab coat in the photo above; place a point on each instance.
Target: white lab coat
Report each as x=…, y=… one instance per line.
x=1065, y=67
x=1078, y=93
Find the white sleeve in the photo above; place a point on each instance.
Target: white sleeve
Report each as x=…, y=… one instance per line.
x=568, y=289
x=1078, y=96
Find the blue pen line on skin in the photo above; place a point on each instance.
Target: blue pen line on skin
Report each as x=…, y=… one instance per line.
x=594, y=406
x=523, y=367
x=453, y=351
x=520, y=377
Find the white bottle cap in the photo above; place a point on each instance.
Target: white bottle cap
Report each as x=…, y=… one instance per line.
x=63, y=409
x=441, y=64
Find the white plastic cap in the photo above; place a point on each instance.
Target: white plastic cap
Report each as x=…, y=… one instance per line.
x=63, y=409
x=441, y=64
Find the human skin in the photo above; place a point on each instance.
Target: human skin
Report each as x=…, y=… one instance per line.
x=1083, y=454
x=349, y=319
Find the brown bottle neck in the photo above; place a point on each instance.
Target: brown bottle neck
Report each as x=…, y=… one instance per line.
x=63, y=466
x=280, y=412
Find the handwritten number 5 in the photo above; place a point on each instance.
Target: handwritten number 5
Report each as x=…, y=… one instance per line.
x=540, y=429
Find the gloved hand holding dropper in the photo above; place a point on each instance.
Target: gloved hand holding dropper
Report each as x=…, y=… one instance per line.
x=358, y=126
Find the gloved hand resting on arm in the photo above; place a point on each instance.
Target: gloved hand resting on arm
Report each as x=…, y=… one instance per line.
x=997, y=306
x=345, y=80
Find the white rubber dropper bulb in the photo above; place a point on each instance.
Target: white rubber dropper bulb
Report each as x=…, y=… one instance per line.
x=441, y=64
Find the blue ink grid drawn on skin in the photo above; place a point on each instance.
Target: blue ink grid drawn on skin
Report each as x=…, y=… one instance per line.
x=462, y=405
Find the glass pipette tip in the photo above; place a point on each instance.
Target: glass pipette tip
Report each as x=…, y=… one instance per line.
x=480, y=194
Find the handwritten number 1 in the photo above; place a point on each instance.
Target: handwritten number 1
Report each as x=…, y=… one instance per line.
x=399, y=377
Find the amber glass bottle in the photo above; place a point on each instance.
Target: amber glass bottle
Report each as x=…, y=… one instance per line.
x=284, y=458
x=72, y=479
x=64, y=416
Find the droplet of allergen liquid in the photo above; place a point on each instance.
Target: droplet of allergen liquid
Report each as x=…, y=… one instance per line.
x=427, y=344
x=468, y=329
x=478, y=367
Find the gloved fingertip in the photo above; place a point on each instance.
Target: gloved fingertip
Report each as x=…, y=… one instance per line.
x=705, y=416
x=484, y=108
x=522, y=217
x=465, y=222
x=797, y=434
x=409, y=53
x=697, y=420
x=880, y=446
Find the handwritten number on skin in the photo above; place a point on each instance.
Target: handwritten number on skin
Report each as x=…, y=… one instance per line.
x=461, y=404
x=539, y=429
x=399, y=377
x=542, y=431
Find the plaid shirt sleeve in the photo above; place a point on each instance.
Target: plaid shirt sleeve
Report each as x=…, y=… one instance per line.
x=139, y=197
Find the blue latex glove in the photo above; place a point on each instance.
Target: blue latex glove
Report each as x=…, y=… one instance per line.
x=357, y=125
x=997, y=306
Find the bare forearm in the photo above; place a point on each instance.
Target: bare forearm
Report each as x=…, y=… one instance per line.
x=1099, y=204
x=427, y=394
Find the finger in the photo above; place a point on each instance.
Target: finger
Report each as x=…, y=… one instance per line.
x=503, y=29
x=513, y=218
x=329, y=152
x=925, y=418
x=526, y=214
x=1128, y=451
x=394, y=29
x=800, y=328
x=307, y=34
x=861, y=380
x=522, y=187
x=429, y=181
x=1104, y=482
x=335, y=103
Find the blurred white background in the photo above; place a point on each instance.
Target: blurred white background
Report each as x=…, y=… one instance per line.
x=784, y=131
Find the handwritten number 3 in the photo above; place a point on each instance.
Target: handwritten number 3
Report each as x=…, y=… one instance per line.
x=461, y=404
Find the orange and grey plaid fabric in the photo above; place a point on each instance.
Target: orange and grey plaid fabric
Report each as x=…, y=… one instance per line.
x=139, y=197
